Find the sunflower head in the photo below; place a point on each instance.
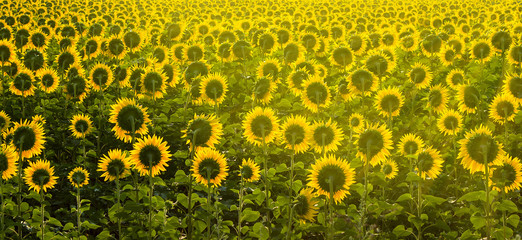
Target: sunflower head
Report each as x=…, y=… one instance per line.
x=503, y=108
x=513, y=86
x=429, y=163
x=67, y=57
x=150, y=155
x=203, y=131
x=209, y=167
x=389, y=101
x=49, y=80
x=28, y=137
x=450, y=122
x=479, y=148
x=515, y=54
x=295, y=133
x=306, y=207
x=325, y=136
x=249, y=171
x=116, y=47
x=194, y=52
x=410, y=144
x=133, y=40
x=332, y=177
x=129, y=119
x=316, y=94
x=81, y=125
x=114, y=165
x=356, y=122
x=420, y=75
x=269, y=68
x=342, y=57
x=153, y=82
x=241, y=50
x=431, y=45
x=481, y=50
x=78, y=177
x=456, y=78
x=507, y=176
x=362, y=82
x=23, y=83
x=101, y=77
x=378, y=63
x=469, y=98
x=501, y=40
x=7, y=53
x=263, y=89
x=389, y=168
x=40, y=176
x=5, y=121
x=292, y=52
x=214, y=88
x=374, y=144
x=261, y=126
x=8, y=161
x=438, y=98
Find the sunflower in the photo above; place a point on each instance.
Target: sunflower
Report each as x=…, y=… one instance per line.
x=28, y=137
x=469, y=99
x=356, y=122
x=128, y=116
x=503, y=108
x=76, y=88
x=450, y=122
x=7, y=53
x=49, y=80
x=194, y=52
x=431, y=45
x=481, y=50
x=101, y=77
x=342, y=57
x=116, y=47
x=214, y=88
x=178, y=52
x=325, y=136
x=305, y=206
x=78, y=177
x=358, y=44
x=389, y=101
x=150, y=151
x=410, y=144
x=513, y=86
x=161, y=54
x=438, y=98
x=92, y=48
x=310, y=41
x=515, y=54
x=23, y=83
x=362, y=82
x=81, y=125
x=479, y=147
x=420, y=75
x=389, y=168
x=295, y=133
x=316, y=94
x=456, y=78
x=292, y=52
x=447, y=55
x=296, y=79
x=8, y=161
x=175, y=31
x=409, y=43
x=192, y=72
x=38, y=119
x=66, y=58
x=209, y=167
x=374, y=144
x=266, y=42
x=429, y=163
x=263, y=89
x=154, y=82
x=507, y=176
x=249, y=171
x=203, y=131
x=261, y=126
x=269, y=68
x=224, y=52
x=378, y=63
x=40, y=176
x=389, y=39
x=121, y=76
x=12, y=68
x=5, y=121
x=133, y=40
x=76, y=70
x=114, y=165
x=330, y=172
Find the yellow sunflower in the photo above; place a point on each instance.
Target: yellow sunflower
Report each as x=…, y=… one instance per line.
x=203, y=131
x=389, y=168
x=342, y=57
x=456, y=78
x=76, y=88
x=431, y=45
x=269, y=68
x=128, y=116
x=515, y=54
x=481, y=50
x=306, y=207
x=23, y=83
x=92, y=48
x=325, y=136
x=331, y=173
x=356, y=122
x=479, y=147
x=503, y=108
x=101, y=77
x=469, y=99
x=213, y=88
x=249, y=171
x=7, y=52
x=362, y=82
x=507, y=176
x=438, y=98
x=150, y=151
x=420, y=75
x=224, y=52
x=40, y=176
x=81, y=125
x=194, y=52
x=5, y=121
x=116, y=47
x=153, y=82
x=292, y=52
x=28, y=137
x=114, y=165
x=447, y=55
x=512, y=87
x=410, y=144
x=450, y=122
x=389, y=101
x=49, y=80
x=160, y=54
x=134, y=40
x=209, y=167
x=429, y=163
x=374, y=144
x=378, y=63
x=8, y=161
x=261, y=126
x=66, y=58
x=296, y=79
x=78, y=177
x=295, y=133
x=316, y=94
x=38, y=119
x=358, y=44
x=263, y=89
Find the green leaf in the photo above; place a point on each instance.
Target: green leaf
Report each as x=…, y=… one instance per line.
x=55, y=222
x=183, y=199
x=400, y=231
x=68, y=226
x=404, y=197
x=89, y=225
x=434, y=200
x=261, y=230
x=473, y=196
x=478, y=221
x=412, y=177
x=507, y=205
x=503, y=233
x=514, y=219
x=249, y=216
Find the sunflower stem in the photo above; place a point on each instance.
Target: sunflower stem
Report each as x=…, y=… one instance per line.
x=2, y=233
x=20, y=163
x=487, y=208
x=42, y=196
x=78, y=211
x=151, y=186
x=240, y=207
x=331, y=206
x=419, y=208
x=191, y=155
x=23, y=99
x=209, y=198
x=118, y=198
x=291, y=190
x=267, y=182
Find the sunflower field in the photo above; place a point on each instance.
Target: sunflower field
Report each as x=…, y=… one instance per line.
x=260, y=119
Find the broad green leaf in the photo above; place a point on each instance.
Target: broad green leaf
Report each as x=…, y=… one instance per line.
x=404, y=197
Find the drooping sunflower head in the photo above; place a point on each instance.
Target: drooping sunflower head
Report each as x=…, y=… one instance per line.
x=209, y=167
x=249, y=171
x=81, y=125
x=195, y=52
x=316, y=94
x=241, y=50
x=362, y=82
x=389, y=101
x=331, y=173
x=378, y=63
x=513, y=86
x=7, y=52
x=306, y=207
x=8, y=161
x=410, y=144
x=515, y=54
x=431, y=45
x=429, y=163
x=78, y=177
x=450, y=122
x=342, y=57
x=116, y=47
x=503, y=108
x=150, y=155
x=101, y=77
x=358, y=43
x=203, y=131
x=121, y=76
x=92, y=48
x=76, y=88
x=420, y=75
x=40, y=176
x=23, y=83
x=261, y=126
x=356, y=122
x=447, y=55
x=389, y=168
x=310, y=41
x=269, y=68
x=438, y=98
x=67, y=57
x=325, y=136
x=114, y=165
x=129, y=118
x=469, y=98
x=214, y=88
x=507, y=176
x=5, y=121
x=479, y=148
x=456, y=78
x=160, y=54
x=28, y=137
x=153, y=82
x=374, y=144
x=501, y=40
x=224, y=52
x=267, y=41
x=292, y=52
x=49, y=80
x=295, y=133
x=481, y=51
x=263, y=89
x=133, y=40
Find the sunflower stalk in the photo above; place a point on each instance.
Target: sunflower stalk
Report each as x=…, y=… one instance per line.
x=78, y=210
x=487, y=207
x=191, y=155
x=2, y=233
x=419, y=208
x=151, y=186
x=23, y=99
x=42, y=204
x=291, y=190
x=118, y=198
x=19, y=213
x=209, y=199
x=240, y=207
x=330, y=208
x=266, y=181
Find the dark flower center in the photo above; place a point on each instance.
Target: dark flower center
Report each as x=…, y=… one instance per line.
x=343, y=56
x=302, y=207
x=81, y=126
x=435, y=98
x=209, y=168
x=294, y=134
x=100, y=76
x=504, y=175
x=261, y=126
x=451, y=122
x=41, y=177
x=78, y=177
x=390, y=103
x=128, y=115
x=425, y=162
x=132, y=39
x=324, y=135
x=515, y=87
x=22, y=82
x=202, y=130
x=247, y=172
x=377, y=65
x=471, y=97
x=291, y=53
x=214, y=89
x=481, y=51
x=48, y=80
x=371, y=142
x=150, y=155
x=505, y=109
x=115, y=167
x=4, y=164
x=153, y=82
x=116, y=46
x=482, y=148
x=317, y=93
x=331, y=174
